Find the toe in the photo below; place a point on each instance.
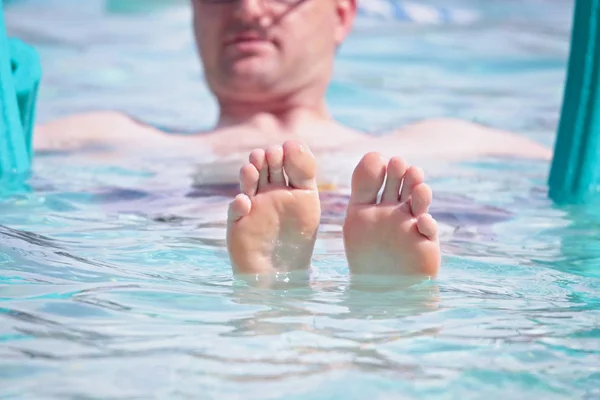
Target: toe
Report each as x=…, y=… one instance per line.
x=275, y=162
x=367, y=179
x=238, y=208
x=259, y=160
x=300, y=165
x=249, y=176
x=420, y=199
x=395, y=171
x=427, y=226
x=412, y=178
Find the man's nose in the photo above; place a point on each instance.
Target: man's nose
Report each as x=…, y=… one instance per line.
x=252, y=10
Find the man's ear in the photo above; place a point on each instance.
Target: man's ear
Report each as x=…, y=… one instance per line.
x=346, y=12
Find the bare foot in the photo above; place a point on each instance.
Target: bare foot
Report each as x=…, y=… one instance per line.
x=396, y=236
x=272, y=225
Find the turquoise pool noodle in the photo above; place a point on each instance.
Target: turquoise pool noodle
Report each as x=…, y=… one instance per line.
x=575, y=171
x=27, y=77
x=20, y=75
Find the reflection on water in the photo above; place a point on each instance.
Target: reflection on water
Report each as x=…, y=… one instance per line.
x=130, y=288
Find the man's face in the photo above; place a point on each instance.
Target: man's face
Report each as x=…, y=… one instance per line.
x=256, y=48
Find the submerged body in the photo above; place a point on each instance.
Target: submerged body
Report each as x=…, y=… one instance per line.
x=112, y=134
x=269, y=63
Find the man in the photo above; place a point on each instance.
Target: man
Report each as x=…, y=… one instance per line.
x=268, y=63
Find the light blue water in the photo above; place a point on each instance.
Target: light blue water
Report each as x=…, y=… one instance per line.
x=115, y=283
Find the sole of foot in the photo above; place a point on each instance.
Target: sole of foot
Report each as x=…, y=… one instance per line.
x=393, y=235
x=272, y=224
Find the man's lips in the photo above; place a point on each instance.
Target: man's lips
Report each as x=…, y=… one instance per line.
x=246, y=39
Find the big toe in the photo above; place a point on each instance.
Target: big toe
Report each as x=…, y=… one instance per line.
x=300, y=165
x=367, y=179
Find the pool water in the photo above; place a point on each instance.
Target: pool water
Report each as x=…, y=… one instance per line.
x=114, y=277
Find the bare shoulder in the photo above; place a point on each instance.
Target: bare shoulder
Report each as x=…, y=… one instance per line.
x=97, y=120
x=100, y=128
x=469, y=137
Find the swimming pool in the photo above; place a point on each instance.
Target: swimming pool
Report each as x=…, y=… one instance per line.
x=114, y=278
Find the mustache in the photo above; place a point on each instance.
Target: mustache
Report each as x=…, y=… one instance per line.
x=247, y=32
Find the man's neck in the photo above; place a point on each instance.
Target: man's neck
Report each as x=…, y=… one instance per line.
x=269, y=116
x=272, y=123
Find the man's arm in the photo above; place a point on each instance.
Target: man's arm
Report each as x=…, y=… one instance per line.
x=101, y=129
x=460, y=138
